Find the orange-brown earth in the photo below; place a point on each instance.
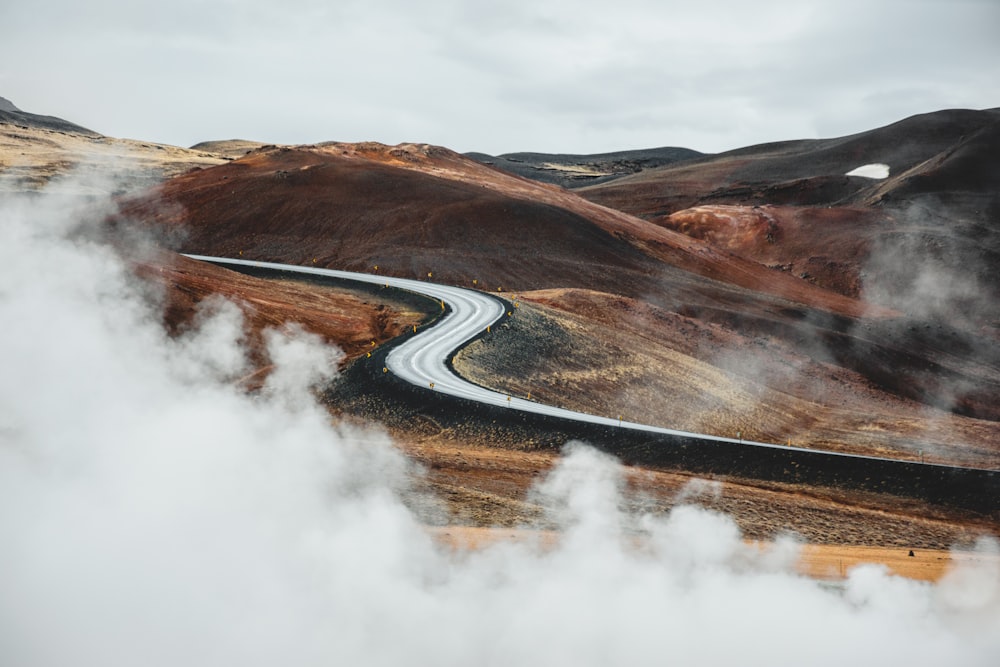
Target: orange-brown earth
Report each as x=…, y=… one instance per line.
x=482, y=485
x=820, y=561
x=352, y=320
x=416, y=209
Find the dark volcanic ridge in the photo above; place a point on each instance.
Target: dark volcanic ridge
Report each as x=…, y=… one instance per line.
x=572, y=171
x=14, y=116
x=810, y=171
x=925, y=235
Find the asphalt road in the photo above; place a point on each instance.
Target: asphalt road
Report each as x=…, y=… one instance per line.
x=423, y=359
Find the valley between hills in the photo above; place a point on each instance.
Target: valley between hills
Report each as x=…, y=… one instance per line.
x=761, y=293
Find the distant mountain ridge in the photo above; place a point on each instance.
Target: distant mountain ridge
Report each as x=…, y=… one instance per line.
x=573, y=170
x=801, y=172
x=9, y=113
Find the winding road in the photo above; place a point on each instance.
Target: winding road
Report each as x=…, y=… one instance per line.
x=422, y=360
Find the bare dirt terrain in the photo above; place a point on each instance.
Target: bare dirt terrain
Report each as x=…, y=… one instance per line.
x=483, y=485
x=759, y=293
x=354, y=320
x=819, y=561
x=618, y=357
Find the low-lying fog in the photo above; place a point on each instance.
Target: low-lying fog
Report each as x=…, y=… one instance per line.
x=151, y=513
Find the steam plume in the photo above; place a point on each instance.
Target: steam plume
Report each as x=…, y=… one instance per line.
x=152, y=514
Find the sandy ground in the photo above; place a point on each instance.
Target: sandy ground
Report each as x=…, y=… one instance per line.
x=487, y=485
x=32, y=157
x=819, y=561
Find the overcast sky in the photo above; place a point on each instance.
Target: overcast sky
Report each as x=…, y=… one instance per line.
x=545, y=75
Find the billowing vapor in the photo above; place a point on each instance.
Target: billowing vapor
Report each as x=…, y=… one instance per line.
x=152, y=513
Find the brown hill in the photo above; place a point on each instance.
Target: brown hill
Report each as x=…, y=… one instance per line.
x=414, y=210
x=926, y=236
x=804, y=172
x=419, y=210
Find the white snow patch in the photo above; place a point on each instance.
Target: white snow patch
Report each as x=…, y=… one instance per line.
x=874, y=170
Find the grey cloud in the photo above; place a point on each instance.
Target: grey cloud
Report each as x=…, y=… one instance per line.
x=479, y=76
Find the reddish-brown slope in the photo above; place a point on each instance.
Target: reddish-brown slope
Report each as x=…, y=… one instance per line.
x=418, y=210
x=823, y=245
x=927, y=235
x=349, y=320
x=807, y=172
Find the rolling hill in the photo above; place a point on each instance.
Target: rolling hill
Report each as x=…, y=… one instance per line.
x=775, y=353
x=760, y=292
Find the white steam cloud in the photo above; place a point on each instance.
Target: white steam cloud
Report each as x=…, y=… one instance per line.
x=152, y=514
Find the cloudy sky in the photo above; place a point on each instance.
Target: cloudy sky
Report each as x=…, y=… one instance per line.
x=546, y=75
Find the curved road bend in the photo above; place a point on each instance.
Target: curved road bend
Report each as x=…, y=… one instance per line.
x=423, y=359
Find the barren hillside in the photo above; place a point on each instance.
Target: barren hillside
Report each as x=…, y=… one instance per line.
x=776, y=354
x=732, y=294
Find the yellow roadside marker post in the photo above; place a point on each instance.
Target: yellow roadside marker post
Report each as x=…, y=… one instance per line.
x=430, y=274
x=414, y=328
